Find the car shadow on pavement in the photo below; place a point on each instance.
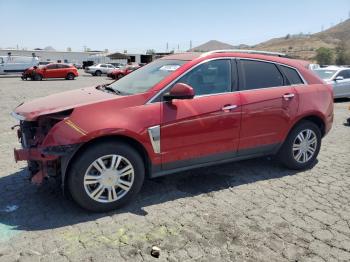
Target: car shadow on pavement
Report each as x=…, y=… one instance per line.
x=341, y=100
x=27, y=207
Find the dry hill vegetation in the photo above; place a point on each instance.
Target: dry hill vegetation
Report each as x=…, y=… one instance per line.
x=304, y=46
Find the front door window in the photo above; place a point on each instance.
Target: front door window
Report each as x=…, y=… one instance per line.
x=212, y=77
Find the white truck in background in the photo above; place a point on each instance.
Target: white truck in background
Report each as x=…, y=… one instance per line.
x=16, y=64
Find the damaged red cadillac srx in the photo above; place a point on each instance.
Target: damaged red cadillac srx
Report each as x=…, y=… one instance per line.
x=176, y=113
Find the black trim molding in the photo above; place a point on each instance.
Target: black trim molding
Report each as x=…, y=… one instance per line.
x=220, y=158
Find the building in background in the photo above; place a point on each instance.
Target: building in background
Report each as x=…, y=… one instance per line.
x=53, y=56
x=94, y=57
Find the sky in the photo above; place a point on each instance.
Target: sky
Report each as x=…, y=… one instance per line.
x=139, y=25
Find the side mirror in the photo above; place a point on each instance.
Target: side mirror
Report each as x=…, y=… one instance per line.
x=179, y=91
x=339, y=78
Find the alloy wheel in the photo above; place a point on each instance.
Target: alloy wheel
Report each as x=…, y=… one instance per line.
x=304, y=146
x=109, y=178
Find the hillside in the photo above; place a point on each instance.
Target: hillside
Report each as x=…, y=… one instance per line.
x=299, y=46
x=211, y=45
x=304, y=46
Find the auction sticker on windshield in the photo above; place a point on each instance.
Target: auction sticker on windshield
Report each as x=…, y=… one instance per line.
x=169, y=67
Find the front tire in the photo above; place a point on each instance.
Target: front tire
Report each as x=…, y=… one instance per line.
x=302, y=146
x=38, y=77
x=106, y=176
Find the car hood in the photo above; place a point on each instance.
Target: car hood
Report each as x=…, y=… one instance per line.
x=62, y=101
x=30, y=68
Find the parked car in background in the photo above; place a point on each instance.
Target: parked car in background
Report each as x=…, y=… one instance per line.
x=78, y=66
x=66, y=71
x=16, y=64
x=118, y=65
x=45, y=63
x=121, y=72
x=177, y=113
x=98, y=70
x=338, y=77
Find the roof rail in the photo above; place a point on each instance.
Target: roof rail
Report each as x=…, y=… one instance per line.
x=244, y=51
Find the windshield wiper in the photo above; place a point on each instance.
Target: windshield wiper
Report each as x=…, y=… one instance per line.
x=107, y=87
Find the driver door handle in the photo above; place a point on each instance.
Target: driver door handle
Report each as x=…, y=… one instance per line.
x=228, y=107
x=288, y=96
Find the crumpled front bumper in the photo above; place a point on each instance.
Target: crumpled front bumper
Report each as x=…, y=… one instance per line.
x=43, y=154
x=32, y=154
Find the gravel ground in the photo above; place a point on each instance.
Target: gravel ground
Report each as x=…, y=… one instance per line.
x=246, y=211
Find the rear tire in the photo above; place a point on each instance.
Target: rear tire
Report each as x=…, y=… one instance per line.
x=98, y=73
x=38, y=77
x=301, y=147
x=116, y=188
x=70, y=76
x=119, y=76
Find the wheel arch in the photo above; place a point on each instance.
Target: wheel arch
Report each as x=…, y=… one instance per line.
x=314, y=118
x=39, y=74
x=66, y=163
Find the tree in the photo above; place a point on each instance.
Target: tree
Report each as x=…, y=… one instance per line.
x=324, y=56
x=150, y=52
x=69, y=49
x=343, y=55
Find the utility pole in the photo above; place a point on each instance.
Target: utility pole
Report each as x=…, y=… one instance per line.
x=190, y=44
x=167, y=46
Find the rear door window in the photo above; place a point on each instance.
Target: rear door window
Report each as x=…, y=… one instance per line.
x=52, y=66
x=62, y=66
x=258, y=74
x=292, y=75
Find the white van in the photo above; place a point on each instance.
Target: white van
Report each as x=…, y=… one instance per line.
x=16, y=64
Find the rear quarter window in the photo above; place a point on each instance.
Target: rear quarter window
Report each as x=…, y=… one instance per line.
x=292, y=75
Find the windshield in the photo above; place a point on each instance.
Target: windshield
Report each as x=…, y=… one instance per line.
x=146, y=77
x=325, y=74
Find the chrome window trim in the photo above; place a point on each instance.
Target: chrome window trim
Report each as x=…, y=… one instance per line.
x=150, y=101
x=154, y=136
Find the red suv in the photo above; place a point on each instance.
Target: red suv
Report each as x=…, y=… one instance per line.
x=177, y=113
x=66, y=71
x=121, y=72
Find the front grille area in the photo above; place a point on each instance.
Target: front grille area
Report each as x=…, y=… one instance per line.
x=28, y=131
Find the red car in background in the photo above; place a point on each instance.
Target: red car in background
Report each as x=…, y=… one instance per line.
x=38, y=73
x=121, y=72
